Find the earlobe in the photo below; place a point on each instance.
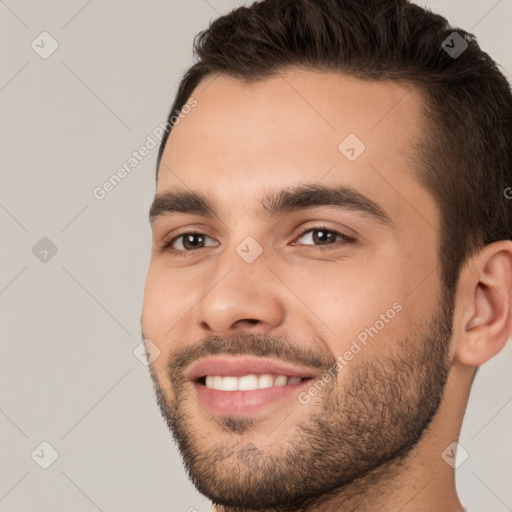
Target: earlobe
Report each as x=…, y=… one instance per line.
x=486, y=319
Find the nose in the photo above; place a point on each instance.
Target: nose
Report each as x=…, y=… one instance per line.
x=242, y=297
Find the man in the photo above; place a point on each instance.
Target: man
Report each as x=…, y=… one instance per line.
x=332, y=254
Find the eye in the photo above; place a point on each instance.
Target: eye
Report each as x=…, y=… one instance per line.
x=324, y=237
x=321, y=236
x=185, y=242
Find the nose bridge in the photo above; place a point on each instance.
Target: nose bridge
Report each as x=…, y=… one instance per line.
x=245, y=246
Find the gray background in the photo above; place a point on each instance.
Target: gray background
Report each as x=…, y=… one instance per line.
x=70, y=324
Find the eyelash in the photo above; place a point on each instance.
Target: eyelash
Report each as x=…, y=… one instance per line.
x=167, y=244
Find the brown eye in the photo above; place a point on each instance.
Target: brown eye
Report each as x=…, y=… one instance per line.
x=323, y=236
x=186, y=242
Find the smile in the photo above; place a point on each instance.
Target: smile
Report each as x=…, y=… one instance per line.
x=239, y=386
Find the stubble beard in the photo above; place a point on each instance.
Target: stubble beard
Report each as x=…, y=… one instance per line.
x=371, y=417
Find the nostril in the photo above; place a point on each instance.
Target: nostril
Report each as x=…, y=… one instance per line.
x=251, y=321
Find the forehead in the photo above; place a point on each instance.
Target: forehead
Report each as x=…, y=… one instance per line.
x=240, y=139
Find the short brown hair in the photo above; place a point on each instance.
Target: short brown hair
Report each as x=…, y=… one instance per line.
x=465, y=158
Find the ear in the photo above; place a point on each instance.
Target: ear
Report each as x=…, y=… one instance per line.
x=484, y=296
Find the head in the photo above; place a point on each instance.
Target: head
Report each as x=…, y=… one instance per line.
x=346, y=190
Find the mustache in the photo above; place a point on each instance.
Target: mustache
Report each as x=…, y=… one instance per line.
x=258, y=345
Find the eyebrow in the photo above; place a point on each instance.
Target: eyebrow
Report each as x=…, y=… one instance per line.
x=274, y=203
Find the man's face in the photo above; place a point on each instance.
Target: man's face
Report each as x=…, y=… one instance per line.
x=328, y=316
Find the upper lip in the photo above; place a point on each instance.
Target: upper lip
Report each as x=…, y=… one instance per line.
x=244, y=365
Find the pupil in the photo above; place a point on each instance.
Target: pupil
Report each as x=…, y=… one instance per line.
x=326, y=235
x=189, y=239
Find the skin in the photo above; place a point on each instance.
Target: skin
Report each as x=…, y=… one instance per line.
x=242, y=140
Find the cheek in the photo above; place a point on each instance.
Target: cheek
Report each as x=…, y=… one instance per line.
x=167, y=300
x=367, y=306
x=168, y=295
x=154, y=302
x=350, y=296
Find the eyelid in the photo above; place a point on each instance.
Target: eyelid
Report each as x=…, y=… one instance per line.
x=192, y=228
x=323, y=226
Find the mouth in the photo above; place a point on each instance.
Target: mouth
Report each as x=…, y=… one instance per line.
x=239, y=386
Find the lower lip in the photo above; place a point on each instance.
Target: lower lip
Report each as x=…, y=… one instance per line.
x=243, y=403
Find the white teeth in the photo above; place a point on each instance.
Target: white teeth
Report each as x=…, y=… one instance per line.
x=265, y=381
x=230, y=383
x=280, y=380
x=248, y=382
